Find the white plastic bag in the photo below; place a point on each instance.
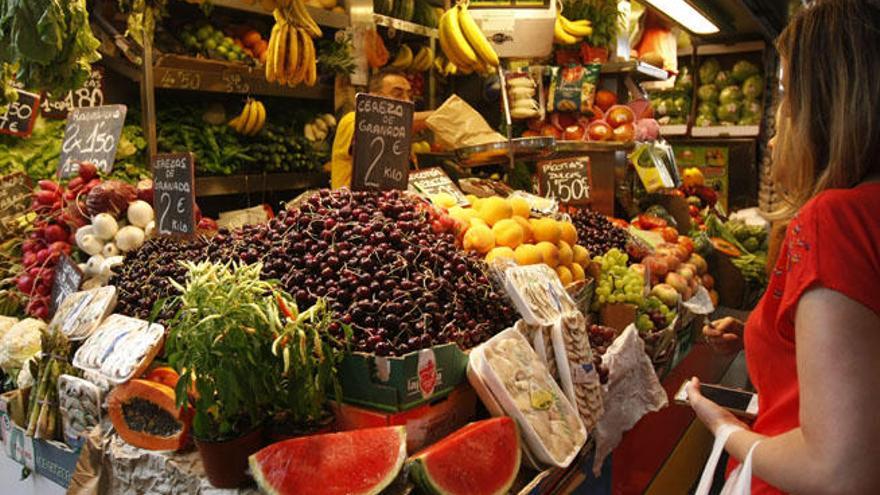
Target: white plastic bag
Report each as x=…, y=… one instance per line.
x=740, y=480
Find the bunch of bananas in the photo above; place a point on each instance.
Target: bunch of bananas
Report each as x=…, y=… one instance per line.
x=419, y=63
x=464, y=43
x=291, y=55
x=319, y=129
x=566, y=32
x=251, y=120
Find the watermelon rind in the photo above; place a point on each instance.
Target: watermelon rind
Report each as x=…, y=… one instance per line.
x=420, y=473
x=266, y=487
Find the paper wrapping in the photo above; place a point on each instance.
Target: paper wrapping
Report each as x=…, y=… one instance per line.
x=108, y=465
x=457, y=125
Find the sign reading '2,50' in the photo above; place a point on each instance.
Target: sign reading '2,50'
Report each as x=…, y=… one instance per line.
x=174, y=194
x=91, y=136
x=382, y=138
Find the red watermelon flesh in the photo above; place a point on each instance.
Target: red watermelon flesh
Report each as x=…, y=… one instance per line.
x=480, y=459
x=357, y=462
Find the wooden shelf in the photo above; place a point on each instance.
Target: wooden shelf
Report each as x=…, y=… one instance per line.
x=637, y=69
x=718, y=49
x=405, y=26
x=321, y=16
x=256, y=183
x=215, y=76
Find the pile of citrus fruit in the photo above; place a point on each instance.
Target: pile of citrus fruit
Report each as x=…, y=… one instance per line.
x=499, y=227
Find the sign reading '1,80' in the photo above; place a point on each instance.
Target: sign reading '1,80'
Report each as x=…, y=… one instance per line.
x=173, y=193
x=567, y=180
x=382, y=138
x=91, y=136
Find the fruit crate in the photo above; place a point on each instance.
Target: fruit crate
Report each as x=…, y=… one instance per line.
x=399, y=383
x=728, y=56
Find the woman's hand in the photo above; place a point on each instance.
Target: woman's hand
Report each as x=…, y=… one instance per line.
x=724, y=335
x=711, y=414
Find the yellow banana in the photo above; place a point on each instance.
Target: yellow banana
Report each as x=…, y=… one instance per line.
x=249, y=118
x=575, y=28
x=294, y=57
x=304, y=19
x=270, y=56
x=280, y=53
x=560, y=36
x=403, y=59
x=476, y=38
x=460, y=50
x=261, y=117
x=302, y=65
x=311, y=74
x=235, y=123
x=418, y=62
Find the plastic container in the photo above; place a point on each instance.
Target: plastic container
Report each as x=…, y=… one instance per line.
x=81, y=312
x=80, y=408
x=514, y=376
x=120, y=349
x=537, y=293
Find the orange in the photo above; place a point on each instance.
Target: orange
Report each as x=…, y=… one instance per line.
x=526, y=227
x=581, y=255
x=549, y=253
x=577, y=272
x=500, y=252
x=528, y=254
x=546, y=229
x=565, y=253
x=565, y=275
x=520, y=207
x=479, y=238
x=495, y=209
x=569, y=234
x=508, y=233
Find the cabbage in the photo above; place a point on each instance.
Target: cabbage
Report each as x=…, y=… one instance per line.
x=20, y=343
x=707, y=92
x=729, y=112
x=730, y=94
x=753, y=87
x=723, y=79
x=709, y=70
x=707, y=108
x=705, y=121
x=743, y=70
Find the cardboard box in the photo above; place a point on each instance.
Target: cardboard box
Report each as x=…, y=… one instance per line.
x=424, y=425
x=399, y=383
x=618, y=316
x=17, y=446
x=55, y=461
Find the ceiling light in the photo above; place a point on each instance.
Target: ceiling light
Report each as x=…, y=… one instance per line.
x=683, y=13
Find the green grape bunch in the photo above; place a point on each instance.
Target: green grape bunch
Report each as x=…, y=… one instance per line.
x=617, y=283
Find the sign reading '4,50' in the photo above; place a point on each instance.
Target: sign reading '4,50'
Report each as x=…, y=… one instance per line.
x=567, y=180
x=91, y=136
x=174, y=194
x=382, y=138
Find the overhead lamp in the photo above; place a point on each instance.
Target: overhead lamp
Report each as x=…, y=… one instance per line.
x=686, y=15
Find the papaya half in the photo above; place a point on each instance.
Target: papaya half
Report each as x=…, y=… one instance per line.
x=724, y=247
x=145, y=415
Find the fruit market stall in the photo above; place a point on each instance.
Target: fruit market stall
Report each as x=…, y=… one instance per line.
x=185, y=306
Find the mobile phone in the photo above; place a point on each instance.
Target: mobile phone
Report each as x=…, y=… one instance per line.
x=739, y=402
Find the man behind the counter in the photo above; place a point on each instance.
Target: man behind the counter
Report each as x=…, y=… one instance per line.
x=389, y=83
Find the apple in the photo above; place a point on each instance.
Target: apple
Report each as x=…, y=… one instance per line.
x=605, y=99
x=657, y=265
x=619, y=115
x=699, y=262
x=678, y=282
x=638, y=268
x=550, y=130
x=713, y=296
x=708, y=281
x=687, y=272
x=574, y=133
x=672, y=262
x=597, y=114
x=681, y=253
x=624, y=133
x=666, y=293
x=599, y=131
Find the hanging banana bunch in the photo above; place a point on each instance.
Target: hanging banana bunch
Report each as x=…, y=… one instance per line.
x=566, y=32
x=464, y=43
x=251, y=120
x=291, y=58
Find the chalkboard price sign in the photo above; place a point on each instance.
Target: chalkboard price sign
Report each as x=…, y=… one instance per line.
x=20, y=115
x=431, y=181
x=68, y=278
x=15, y=197
x=91, y=94
x=566, y=180
x=382, y=138
x=91, y=135
x=174, y=193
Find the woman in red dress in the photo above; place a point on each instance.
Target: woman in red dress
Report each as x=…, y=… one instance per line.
x=813, y=342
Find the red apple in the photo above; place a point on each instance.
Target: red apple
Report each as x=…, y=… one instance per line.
x=599, y=131
x=605, y=99
x=574, y=133
x=699, y=262
x=624, y=133
x=678, y=282
x=657, y=265
x=708, y=282
x=550, y=130
x=619, y=115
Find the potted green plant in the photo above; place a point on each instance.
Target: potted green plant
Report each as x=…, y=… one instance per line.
x=307, y=369
x=220, y=341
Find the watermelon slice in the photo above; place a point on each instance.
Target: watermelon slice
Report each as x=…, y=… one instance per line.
x=480, y=459
x=357, y=462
